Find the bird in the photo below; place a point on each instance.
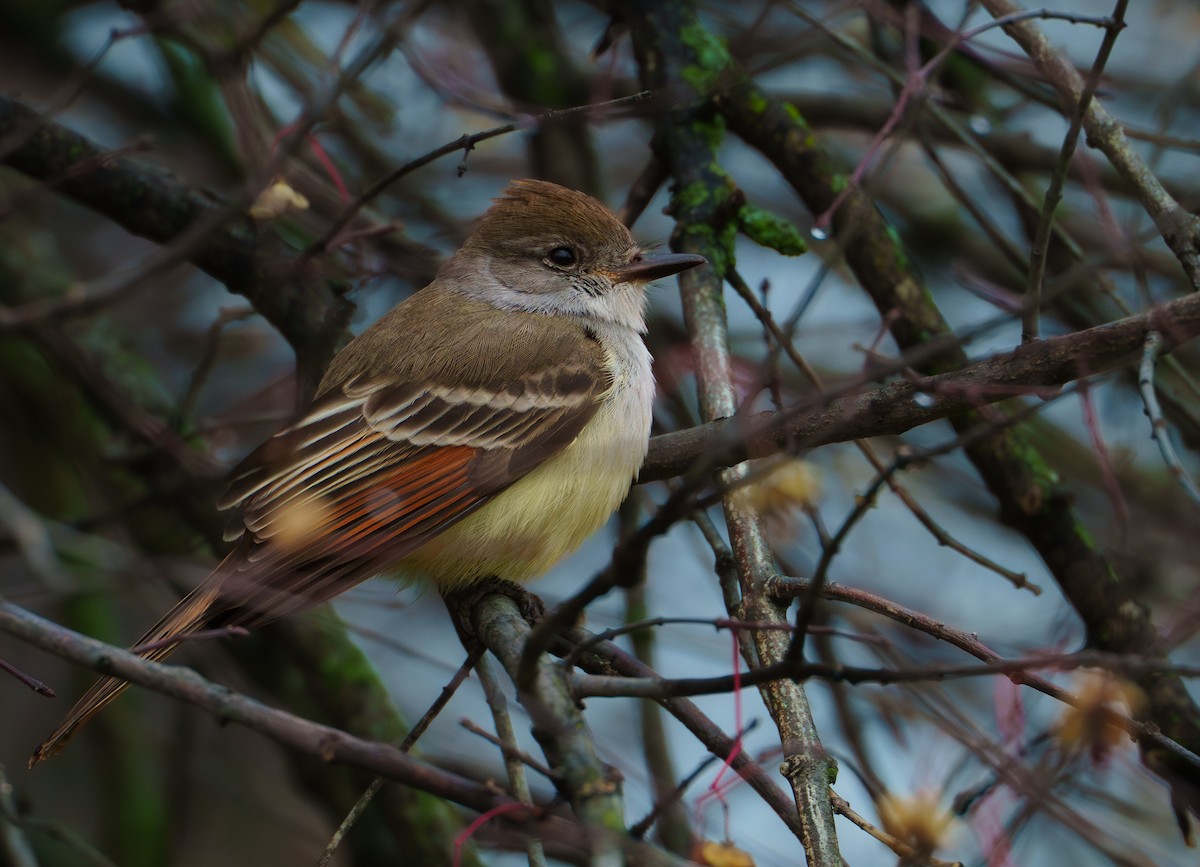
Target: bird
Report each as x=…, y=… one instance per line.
x=481, y=430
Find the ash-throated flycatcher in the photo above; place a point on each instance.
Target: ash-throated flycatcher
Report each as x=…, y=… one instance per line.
x=483, y=428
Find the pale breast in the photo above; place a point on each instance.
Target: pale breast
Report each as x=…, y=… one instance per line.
x=548, y=513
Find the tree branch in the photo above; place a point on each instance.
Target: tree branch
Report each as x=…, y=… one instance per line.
x=307, y=307
x=838, y=416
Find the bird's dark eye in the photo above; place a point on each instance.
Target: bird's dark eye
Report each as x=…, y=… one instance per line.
x=561, y=256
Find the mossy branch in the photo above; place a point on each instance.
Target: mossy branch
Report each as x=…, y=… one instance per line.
x=308, y=308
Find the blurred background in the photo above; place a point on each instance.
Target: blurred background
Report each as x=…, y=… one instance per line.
x=132, y=378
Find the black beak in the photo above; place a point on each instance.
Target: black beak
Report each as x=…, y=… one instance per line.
x=652, y=266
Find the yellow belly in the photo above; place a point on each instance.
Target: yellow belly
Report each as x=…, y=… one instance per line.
x=544, y=516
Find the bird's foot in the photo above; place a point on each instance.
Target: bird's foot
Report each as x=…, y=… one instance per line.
x=461, y=602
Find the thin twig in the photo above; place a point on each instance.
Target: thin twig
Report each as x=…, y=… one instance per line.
x=463, y=143
x=842, y=807
x=509, y=751
x=1179, y=228
x=407, y=744
x=40, y=687
x=517, y=781
x=1058, y=178
x=1158, y=425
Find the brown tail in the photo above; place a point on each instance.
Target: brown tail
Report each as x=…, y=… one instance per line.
x=189, y=615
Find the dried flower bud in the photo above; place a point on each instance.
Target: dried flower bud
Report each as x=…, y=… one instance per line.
x=779, y=487
x=918, y=819
x=275, y=201
x=710, y=853
x=1086, y=725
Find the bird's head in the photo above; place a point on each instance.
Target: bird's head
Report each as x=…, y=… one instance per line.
x=548, y=249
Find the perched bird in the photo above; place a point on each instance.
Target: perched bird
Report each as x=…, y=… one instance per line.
x=482, y=429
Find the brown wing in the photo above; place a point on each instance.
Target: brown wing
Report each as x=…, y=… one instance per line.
x=374, y=471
